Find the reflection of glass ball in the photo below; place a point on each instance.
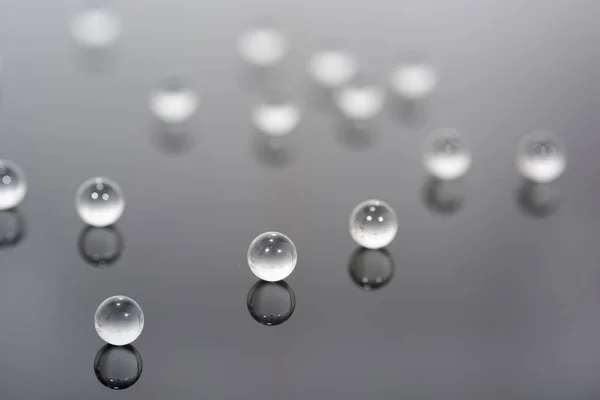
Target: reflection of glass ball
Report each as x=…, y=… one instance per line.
x=446, y=155
x=99, y=202
x=100, y=246
x=271, y=303
x=12, y=228
x=373, y=224
x=272, y=256
x=541, y=157
x=118, y=367
x=12, y=185
x=371, y=269
x=119, y=320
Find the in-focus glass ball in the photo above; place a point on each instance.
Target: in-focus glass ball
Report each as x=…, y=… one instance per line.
x=96, y=27
x=174, y=102
x=271, y=303
x=119, y=320
x=414, y=79
x=373, y=224
x=371, y=269
x=99, y=202
x=446, y=155
x=118, y=367
x=272, y=256
x=541, y=157
x=276, y=114
x=13, y=186
x=360, y=99
x=100, y=247
x=332, y=67
x=263, y=45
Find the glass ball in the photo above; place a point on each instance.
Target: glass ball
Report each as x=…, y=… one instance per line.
x=119, y=320
x=174, y=102
x=276, y=114
x=414, y=79
x=360, y=99
x=332, y=67
x=99, y=202
x=96, y=27
x=272, y=256
x=263, y=45
x=373, y=224
x=13, y=186
x=271, y=303
x=446, y=155
x=541, y=157
x=118, y=367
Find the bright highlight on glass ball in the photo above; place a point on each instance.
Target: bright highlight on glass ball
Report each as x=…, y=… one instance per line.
x=13, y=186
x=119, y=320
x=373, y=224
x=332, y=67
x=272, y=256
x=174, y=103
x=263, y=45
x=276, y=114
x=414, y=80
x=99, y=202
x=96, y=27
x=541, y=157
x=360, y=100
x=446, y=155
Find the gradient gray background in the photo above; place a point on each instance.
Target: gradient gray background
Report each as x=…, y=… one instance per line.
x=488, y=303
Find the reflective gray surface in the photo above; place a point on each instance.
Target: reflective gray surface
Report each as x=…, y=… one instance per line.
x=488, y=302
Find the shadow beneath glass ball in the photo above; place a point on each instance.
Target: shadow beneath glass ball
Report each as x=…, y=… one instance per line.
x=171, y=139
x=443, y=197
x=538, y=200
x=371, y=269
x=100, y=247
x=12, y=228
x=269, y=151
x=271, y=303
x=356, y=135
x=118, y=367
x=409, y=112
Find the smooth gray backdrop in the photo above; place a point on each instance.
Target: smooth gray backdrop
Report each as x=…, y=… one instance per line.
x=487, y=303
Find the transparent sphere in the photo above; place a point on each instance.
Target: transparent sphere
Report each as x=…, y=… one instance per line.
x=373, y=224
x=371, y=269
x=271, y=303
x=332, y=67
x=414, y=80
x=118, y=367
x=13, y=186
x=264, y=45
x=119, y=320
x=96, y=27
x=541, y=157
x=359, y=99
x=99, y=202
x=276, y=114
x=173, y=103
x=100, y=247
x=272, y=256
x=446, y=155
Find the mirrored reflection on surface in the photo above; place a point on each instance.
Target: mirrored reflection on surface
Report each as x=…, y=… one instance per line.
x=98, y=61
x=275, y=152
x=100, y=247
x=12, y=228
x=355, y=135
x=171, y=139
x=408, y=112
x=443, y=197
x=371, y=269
x=271, y=303
x=118, y=367
x=538, y=200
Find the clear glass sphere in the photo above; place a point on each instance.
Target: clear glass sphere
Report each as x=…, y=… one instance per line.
x=541, y=157
x=96, y=27
x=118, y=367
x=414, y=80
x=173, y=103
x=119, y=320
x=371, y=269
x=99, y=202
x=373, y=224
x=272, y=256
x=360, y=99
x=263, y=45
x=332, y=67
x=446, y=155
x=100, y=247
x=13, y=186
x=271, y=303
x=276, y=114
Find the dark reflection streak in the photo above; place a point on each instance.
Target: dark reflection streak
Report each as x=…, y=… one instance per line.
x=13, y=228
